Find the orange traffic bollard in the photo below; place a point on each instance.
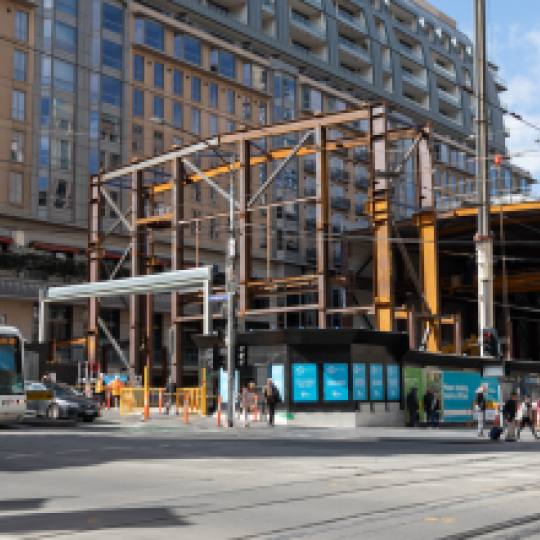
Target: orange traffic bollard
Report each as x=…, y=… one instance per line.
x=108, y=401
x=146, y=405
x=186, y=410
x=160, y=399
x=219, y=413
x=255, y=413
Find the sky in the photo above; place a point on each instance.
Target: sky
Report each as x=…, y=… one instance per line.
x=513, y=41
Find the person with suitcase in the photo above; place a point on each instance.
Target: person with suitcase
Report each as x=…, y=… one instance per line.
x=510, y=412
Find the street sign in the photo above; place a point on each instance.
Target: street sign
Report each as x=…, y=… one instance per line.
x=217, y=298
x=493, y=371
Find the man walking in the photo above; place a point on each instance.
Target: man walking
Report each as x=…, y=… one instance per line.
x=435, y=408
x=480, y=408
x=412, y=406
x=526, y=417
x=428, y=400
x=510, y=411
x=271, y=396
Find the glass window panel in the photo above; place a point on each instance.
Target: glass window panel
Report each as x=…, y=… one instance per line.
x=94, y=124
x=196, y=121
x=21, y=25
x=65, y=37
x=46, y=71
x=47, y=32
x=230, y=101
x=18, y=102
x=213, y=95
x=138, y=31
x=67, y=6
x=158, y=142
x=93, y=161
x=95, y=50
x=177, y=82
x=158, y=107
x=61, y=154
x=138, y=68
x=113, y=18
x=111, y=91
x=246, y=74
x=177, y=113
x=94, y=87
x=214, y=60
x=196, y=89
x=192, y=50
x=16, y=182
x=62, y=194
x=45, y=111
x=214, y=125
x=112, y=54
x=137, y=139
x=227, y=65
x=19, y=65
x=137, y=103
x=44, y=151
x=63, y=115
x=17, y=146
x=154, y=35
x=159, y=71
x=110, y=128
x=178, y=46
x=64, y=75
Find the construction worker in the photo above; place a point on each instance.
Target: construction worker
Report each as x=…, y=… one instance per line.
x=116, y=390
x=100, y=389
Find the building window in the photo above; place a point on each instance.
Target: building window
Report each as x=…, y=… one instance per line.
x=17, y=146
x=195, y=121
x=149, y=33
x=137, y=139
x=94, y=87
x=246, y=74
x=246, y=108
x=109, y=160
x=178, y=46
x=45, y=111
x=112, y=54
x=177, y=82
x=18, y=105
x=21, y=25
x=62, y=190
x=63, y=115
x=19, y=65
x=177, y=141
x=196, y=192
x=94, y=51
x=113, y=18
x=64, y=75
x=177, y=114
x=230, y=101
x=110, y=128
x=15, y=188
x=47, y=33
x=138, y=68
x=196, y=89
x=213, y=196
x=192, y=50
x=230, y=126
x=43, y=187
x=62, y=155
x=222, y=63
x=158, y=107
x=94, y=124
x=65, y=37
x=214, y=231
x=158, y=75
x=158, y=142
x=111, y=91
x=195, y=225
x=137, y=103
x=67, y=6
x=214, y=123
x=262, y=113
x=213, y=95
x=44, y=151
x=93, y=161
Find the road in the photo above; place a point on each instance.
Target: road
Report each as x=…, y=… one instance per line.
x=164, y=480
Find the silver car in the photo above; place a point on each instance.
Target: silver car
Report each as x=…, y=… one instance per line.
x=67, y=402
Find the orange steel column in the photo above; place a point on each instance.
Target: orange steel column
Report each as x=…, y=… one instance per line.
x=379, y=209
x=322, y=223
x=94, y=259
x=246, y=232
x=177, y=263
x=426, y=221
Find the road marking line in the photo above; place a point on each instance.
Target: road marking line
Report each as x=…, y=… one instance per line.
x=448, y=520
x=431, y=519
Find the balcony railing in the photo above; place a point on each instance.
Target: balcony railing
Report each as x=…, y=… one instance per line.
x=309, y=166
x=308, y=25
x=417, y=56
x=499, y=81
x=360, y=209
x=361, y=183
x=340, y=203
x=444, y=71
x=413, y=79
x=347, y=18
x=454, y=100
x=354, y=49
x=361, y=155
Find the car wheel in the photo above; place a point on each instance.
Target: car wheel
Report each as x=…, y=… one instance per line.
x=53, y=412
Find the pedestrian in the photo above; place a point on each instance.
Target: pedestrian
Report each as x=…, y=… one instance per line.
x=412, y=406
x=526, y=417
x=510, y=411
x=480, y=408
x=435, y=408
x=428, y=400
x=271, y=396
x=169, y=395
x=100, y=390
x=247, y=399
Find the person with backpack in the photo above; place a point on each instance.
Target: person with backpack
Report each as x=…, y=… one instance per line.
x=480, y=408
x=526, y=417
x=510, y=411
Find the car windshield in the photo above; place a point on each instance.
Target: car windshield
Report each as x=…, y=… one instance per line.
x=62, y=390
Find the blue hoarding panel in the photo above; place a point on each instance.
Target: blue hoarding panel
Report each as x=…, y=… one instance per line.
x=224, y=385
x=305, y=383
x=336, y=382
x=359, y=382
x=459, y=390
x=392, y=383
x=376, y=382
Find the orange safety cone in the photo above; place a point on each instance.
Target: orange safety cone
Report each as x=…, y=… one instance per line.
x=146, y=405
x=160, y=399
x=255, y=412
x=186, y=410
x=496, y=418
x=219, y=413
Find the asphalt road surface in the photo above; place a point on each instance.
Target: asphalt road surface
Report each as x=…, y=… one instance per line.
x=161, y=481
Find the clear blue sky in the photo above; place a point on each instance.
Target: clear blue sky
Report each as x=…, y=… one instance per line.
x=513, y=35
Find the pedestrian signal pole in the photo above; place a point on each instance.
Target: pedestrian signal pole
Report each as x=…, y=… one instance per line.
x=231, y=290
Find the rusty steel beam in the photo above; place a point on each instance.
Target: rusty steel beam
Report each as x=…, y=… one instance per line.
x=322, y=205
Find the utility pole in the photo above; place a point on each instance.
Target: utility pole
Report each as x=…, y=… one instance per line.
x=231, y=290
x=484, y=238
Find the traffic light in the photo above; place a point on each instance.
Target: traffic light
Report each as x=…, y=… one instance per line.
x=491, y=342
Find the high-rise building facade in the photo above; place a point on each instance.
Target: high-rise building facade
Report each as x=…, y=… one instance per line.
x=96, y=83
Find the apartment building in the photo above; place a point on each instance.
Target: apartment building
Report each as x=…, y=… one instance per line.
x=96, y=83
